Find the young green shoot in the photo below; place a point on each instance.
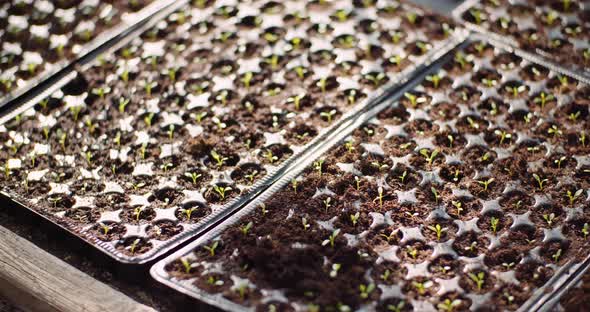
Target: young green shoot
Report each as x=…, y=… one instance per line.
x=494, y=224
x=573, y=196
x=403, y=176
x=543, y=98
x=540, y=181
x=459, y=206
x=486, y=183
x=555, y=131
x=379, y=197
x=328, y=115
x=331, y=239
x=549, y=218
x=327, y=203
x=193, y=176
x=396, y=308
x=365, y=290
x=220, y=160
x=335, y=268
x=305, y=223
x=438, y=230
x=317, y=165
x=503, y=135
x=478, y=278
x=186, y=264
x=559, y=161
x=188, y=212
x=429, y=156
x=246, y=228
x=449, y=305
x=294, y=184
x=269, y=156
x=556, y=255
x=357, y=182
x=221, y=190
x=586, y=230
x=211, y=248
x=354, y=218
x=134, y=245
x=123, y=102
x=412, y=252
x=421, y=287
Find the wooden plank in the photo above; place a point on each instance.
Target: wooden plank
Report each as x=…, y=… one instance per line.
x=35, y=280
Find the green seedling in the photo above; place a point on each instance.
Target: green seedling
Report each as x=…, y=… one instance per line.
x=385, y=276
x=554, y=131
x=543, y=98
x=403, y=176
x=421, y=287
x=435, y=79
x=459, y=206
x=305, y=223
x=193, y=176
x=365, y=290
x=188, y=212
x=438, y=229
x=335, y=268
x=317, y=165
x=354, y=218
x=268, y=155
x=220, y=160
x=486, y=183
x=549, y=218
x=586, y=230
x=331, y=239
x=211, y=249
x=429, y=156
x=396, y=308
x=556, y=255
x=327, y=203
x=294, y=184
x=503, y=135
x=412, y=252
x=221, y=190
x=186, y=264
x=435, y=194
x=573, y=196
x=559, y=161
x=246, y=228
x=449, y=305
x=134, y=245
x=494, y=224
x=379, y=197
x=478, y=278
x=540, y=181
x=328, y=115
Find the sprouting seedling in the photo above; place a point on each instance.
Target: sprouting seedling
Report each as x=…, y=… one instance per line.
x=269, y=156
x=472, y=123
x=456, y=175
x=149, y=85
x=471, y=247
x=328, y=115
x=429, y=156
x=376, y=78
x=137, y=213
x=494, y=224
x=515, y=90
x=508, y=266
x=331, y=239
x=461, y=59
x=574, y=116
x=549, y=218
x=435, y=194
x=123, y=102
x=388, y=237
x=357, y=182
x=422, y=286
x=478, y=278
x=412, y=98
x=105, y=228
x=317, y=165
x=412, y=252
x=559, y=161
x=582, y=139
x=540, y=181
x=335, y=268
x=449, y=305
x=365, y=290
x=489, y=82
x=385, y=276
x=354, y=218
x=134, y=245
x=438, y=229
x=186, y=264
x=477, y=15
x=221, y=190
x=211, y=249
x=294, y=184
x=296, y=100
x=379, y=166
x=143, y=150
x=556, y=255
x=148, y=119
x=327, y=203
x=263, y=209
x=220, y=160
x=528, y=117
x=170, y=131
x=451, y=140
x=251, y=176
x=503, y=135
x=167, y=166
x=379, y=197
x=349, y=145
x=586, y=230
x=486, y=183
x=194, y=176
x=403, y=176
x=246, y=228
x=88, y=157
x=459, y=206
x=435, y=79
x=188, y=212
x=573, y=196
x=90, y=125
x=555, y=131
x=305, y=223
x=543, y=98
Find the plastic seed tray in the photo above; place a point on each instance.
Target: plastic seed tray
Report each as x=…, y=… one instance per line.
x=170, y=134
x=40, y=37
x=551, y=31
x=468, y=191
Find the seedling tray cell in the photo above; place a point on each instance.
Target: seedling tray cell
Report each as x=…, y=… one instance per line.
x=554, y=32
x=468, y=190
x=171, y=133
x=39, y=37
